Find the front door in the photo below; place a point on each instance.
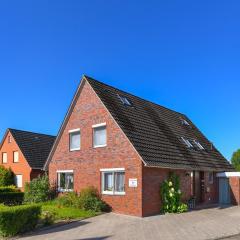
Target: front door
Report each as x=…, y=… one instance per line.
x=224, y=191
x=202, y=186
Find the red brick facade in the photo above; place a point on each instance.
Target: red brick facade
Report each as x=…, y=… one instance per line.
x=21, y=167
x=119, y=153
x=234, y=183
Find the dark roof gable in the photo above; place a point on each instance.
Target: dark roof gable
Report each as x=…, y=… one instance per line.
x=34, y=146
x=156, y=132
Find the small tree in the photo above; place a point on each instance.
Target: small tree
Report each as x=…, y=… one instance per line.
x=235, y=160
x=6, y=177
x=38, y=190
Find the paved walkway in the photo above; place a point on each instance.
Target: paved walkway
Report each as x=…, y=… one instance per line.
x=203, y=224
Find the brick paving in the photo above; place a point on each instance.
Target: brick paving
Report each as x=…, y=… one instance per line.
x=215, y=223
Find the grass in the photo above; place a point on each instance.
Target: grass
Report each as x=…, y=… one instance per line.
x=66, y=213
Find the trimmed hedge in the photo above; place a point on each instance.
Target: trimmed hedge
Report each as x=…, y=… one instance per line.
x=11, y=198
x=11, y=188
x=18, y=219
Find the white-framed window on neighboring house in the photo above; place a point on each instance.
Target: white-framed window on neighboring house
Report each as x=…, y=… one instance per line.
x=18, y=180
x=9, y=139
x=74, y=139
x=210, y=177
x=99, y=135
x=65, y=180
x=15, y=156
x=113, y=181
x=4, y=157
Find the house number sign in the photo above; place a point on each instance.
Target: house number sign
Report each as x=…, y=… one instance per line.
x=132, y=182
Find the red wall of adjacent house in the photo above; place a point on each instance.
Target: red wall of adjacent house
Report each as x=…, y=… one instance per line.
x=20, y=167
x=234, y=183
x=87, y=162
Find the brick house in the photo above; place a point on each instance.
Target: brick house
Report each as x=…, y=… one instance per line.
x=25, y=153
x=126, y=146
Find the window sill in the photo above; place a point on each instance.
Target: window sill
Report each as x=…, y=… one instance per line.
x=113, y=193
x=100, y=146
x=74, y=149
x=65, y=190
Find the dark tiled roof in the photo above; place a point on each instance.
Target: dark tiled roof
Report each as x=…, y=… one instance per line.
x=34, y=146
x=156, y=132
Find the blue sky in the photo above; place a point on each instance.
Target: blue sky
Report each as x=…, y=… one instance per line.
x=184, y=55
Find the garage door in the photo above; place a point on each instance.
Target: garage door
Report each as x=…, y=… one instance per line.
x=224, y=191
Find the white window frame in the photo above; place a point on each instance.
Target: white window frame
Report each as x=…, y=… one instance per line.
x=58, y=180
x=199, y=145
x=14, y=157
x=3, y=159
x=111, y=170
x=97, y=126
x=187, y=142
x=69, y=133
x=16, y=181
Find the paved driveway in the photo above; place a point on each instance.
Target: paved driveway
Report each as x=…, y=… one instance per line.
x=203, y=224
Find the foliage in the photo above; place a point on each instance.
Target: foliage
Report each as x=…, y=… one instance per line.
x=235, y=160
x=11, y=188
x=48, y=217
x=18, y=219
x=65, y=213
x=38, y=190
x=171, y=195
x=88, y=199
x=11, y=198
x=6, y=177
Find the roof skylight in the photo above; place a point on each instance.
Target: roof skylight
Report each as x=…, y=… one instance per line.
x=187, y=142
x=125, y=101
x=198, y=144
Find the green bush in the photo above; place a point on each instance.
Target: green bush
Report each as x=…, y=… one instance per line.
x=88, y=199
x=11, y=198
x=11, y=188
x=18, y=219
x=6, y=177
x=38, y=190
x=171, y=195
x=48, y=218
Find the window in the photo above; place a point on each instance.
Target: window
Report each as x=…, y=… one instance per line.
x=15, y=157
x=210, y=177
x=9, y=139
x=74, y=139
x=184, y=122
x=125, y=101
x=198, y=145
x=99, y=135
x=65, y=181
x=4, y=157
x=18, y=180
x=187, y=142
x=113, y=181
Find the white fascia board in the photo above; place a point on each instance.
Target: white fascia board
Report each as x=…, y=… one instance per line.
x=228, y=174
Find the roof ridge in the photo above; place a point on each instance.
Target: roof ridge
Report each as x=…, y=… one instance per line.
x=14, y=129
x=146, y=100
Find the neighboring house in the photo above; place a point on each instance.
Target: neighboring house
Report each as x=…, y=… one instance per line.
x=25, y=153
x=126, y=146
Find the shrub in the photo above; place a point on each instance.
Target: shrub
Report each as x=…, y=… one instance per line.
x=171, y=195
x=11, y=198
x=18, y=219
x=38, y=190
x=48, y=218
x=88, y=199
x=6, y=177
x=11, y=188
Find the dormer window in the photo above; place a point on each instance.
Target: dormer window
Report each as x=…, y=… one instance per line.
x=198, y=144
x=184, y=122
x=187, y=142
x=125, y=100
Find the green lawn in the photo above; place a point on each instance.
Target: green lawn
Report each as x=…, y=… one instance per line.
x=67, y=213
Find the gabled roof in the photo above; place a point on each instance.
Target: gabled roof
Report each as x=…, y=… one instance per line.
x=34, y=146
x=155, y=131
